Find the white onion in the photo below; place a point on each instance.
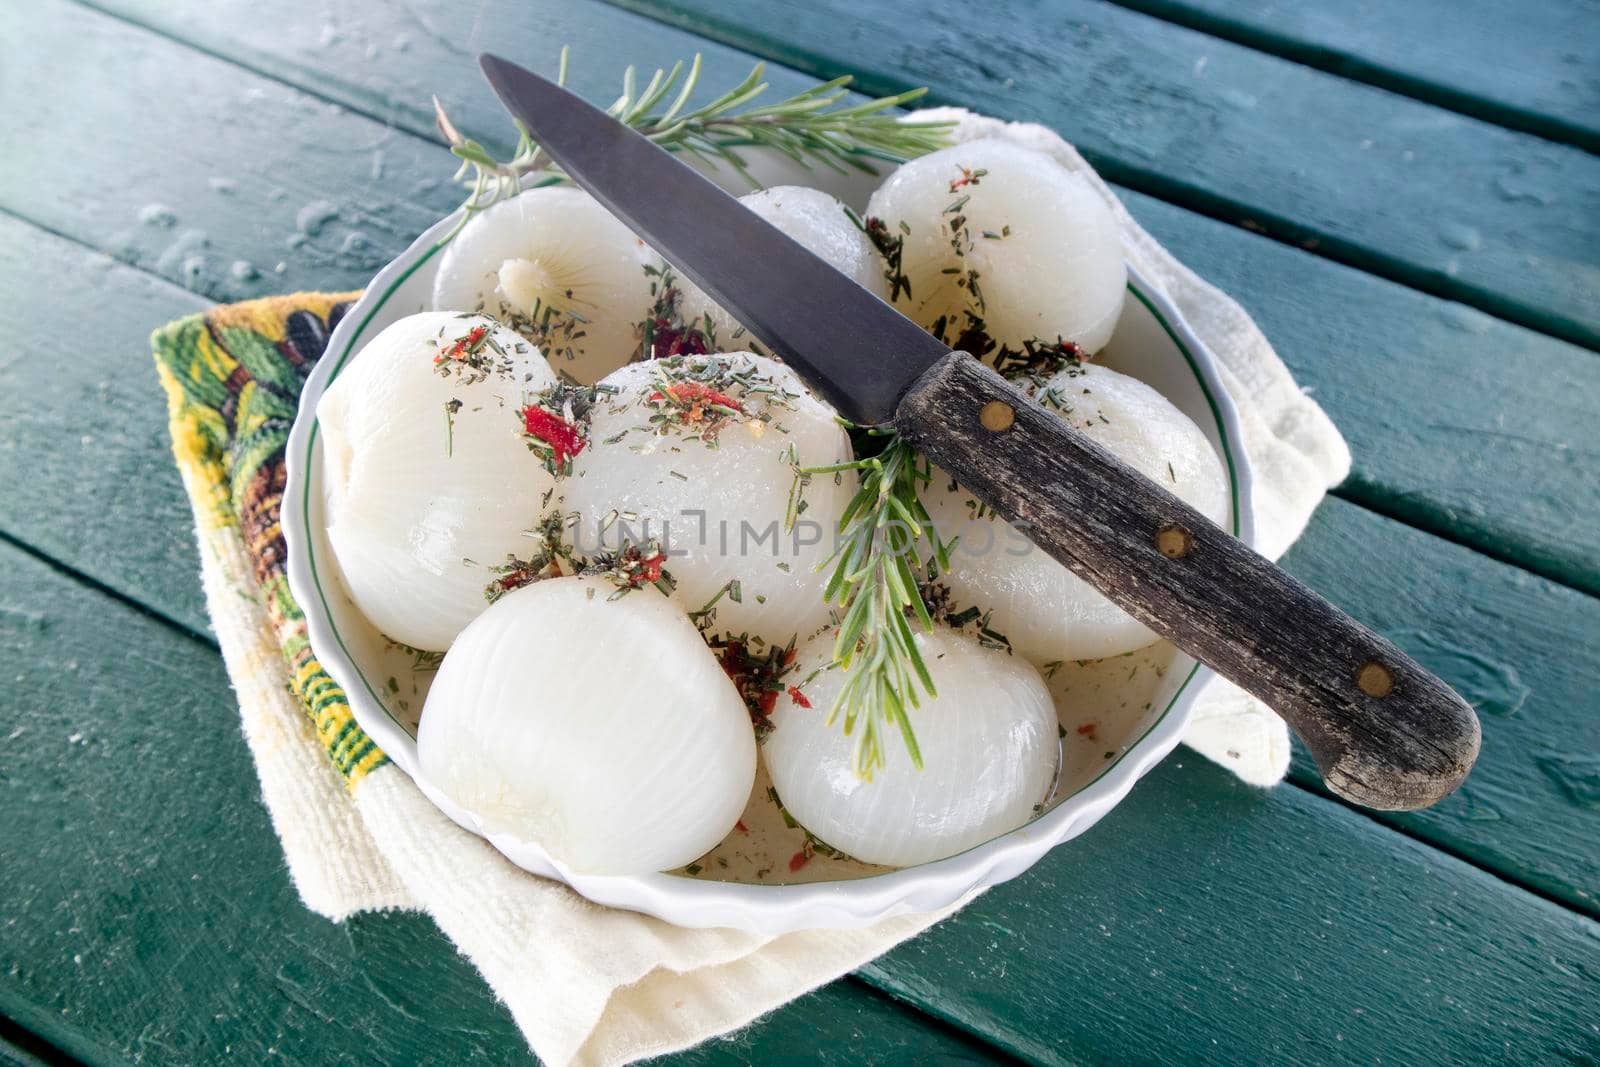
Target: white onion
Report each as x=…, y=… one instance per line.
x=817, y=221
x=1053, y=268
x=553, y=252
x=413, y=492
x=1047, y=612
x=989, y=751
x=602, y=729
x=719, y=510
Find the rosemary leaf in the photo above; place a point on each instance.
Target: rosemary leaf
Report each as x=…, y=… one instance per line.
x=875, y=583
x=814, y=127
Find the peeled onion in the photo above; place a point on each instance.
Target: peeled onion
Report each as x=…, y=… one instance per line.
x=989, y=751
x=558, y=268
x=422, y=501
x=814, y=219
x=598, y=726
x=718, y=505
x=1048, y=613
x=1044, y=246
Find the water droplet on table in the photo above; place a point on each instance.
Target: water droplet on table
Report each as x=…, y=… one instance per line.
x=1514, y=188
x=1460, y=236
x=1575, y=775
x=355, y=241
x=1465, y=319
x=1490, y=686
x=311, y=219
x=186, y=255
x=23, y=619
x=160, y=216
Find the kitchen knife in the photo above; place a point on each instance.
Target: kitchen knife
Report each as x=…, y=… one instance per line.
x=1384, y=732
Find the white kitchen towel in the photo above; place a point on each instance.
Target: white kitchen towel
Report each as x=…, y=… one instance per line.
x=591, y=985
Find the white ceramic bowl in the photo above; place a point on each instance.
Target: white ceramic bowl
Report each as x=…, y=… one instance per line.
x=736, y=885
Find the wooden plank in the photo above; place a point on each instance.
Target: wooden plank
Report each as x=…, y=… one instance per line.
x=1269, y=922
x=1459, y=423
x=1529, y=66
x=1514, y=645
x=1520, y=649
x=218, y=211
x=86, y=462
x=140, y=873
x=1418, y=351
x=1566, y=996
x=1208, y=922
x=1507, y=222
x=1497, y=463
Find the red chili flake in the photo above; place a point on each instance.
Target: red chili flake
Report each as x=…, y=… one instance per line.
x=769, y=700
x=458, y=348
x=667, y=341
x=562, y=436
x=515, y=578
x=650, y=567
x=798, y=697
x=741, y=827
x=789, y=656
x=694, y=394
x=965, y=179
x=799, y=859
x=1087, y=729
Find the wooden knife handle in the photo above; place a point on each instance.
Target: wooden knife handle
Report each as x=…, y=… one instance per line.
x=1384, y=731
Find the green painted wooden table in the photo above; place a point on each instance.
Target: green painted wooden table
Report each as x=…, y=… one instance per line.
x=1405, y=196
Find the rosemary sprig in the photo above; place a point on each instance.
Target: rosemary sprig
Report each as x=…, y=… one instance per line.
x=814, y=126
x=876, y=583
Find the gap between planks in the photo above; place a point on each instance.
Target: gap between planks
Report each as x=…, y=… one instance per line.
x=41, y=1034
x=1356, y=68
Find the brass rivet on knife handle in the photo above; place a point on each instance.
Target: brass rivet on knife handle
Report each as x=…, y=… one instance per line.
x=1173, y=541
x=997, y=416
x=1375, y=680
x=1384, y=731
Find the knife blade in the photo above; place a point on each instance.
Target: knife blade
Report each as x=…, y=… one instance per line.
x=836, y=334
x=1385, y=732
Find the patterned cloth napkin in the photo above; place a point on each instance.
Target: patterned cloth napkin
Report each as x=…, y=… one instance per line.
x=587, y=985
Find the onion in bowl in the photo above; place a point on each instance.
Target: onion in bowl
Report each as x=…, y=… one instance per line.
x=427, y=479
x=700, y=453
x=591, y=720
x=558, y=268
x=1009, y=237
x=989, y=744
